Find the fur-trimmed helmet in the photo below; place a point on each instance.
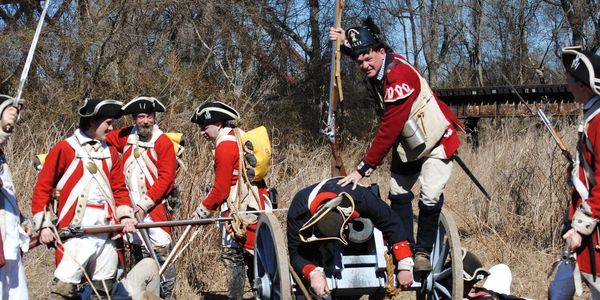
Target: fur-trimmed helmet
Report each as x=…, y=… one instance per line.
x=365, y=37
x=583, y=65
x=95, y=108
x=142, y=104
x=211, y=112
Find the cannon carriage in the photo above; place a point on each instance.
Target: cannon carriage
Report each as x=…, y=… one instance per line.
x=359, y=268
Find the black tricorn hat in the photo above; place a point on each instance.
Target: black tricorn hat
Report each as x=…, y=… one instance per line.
x=211, y=112
x=142, y=104
x=330, y=220
x=583, y=65
x=96, y=108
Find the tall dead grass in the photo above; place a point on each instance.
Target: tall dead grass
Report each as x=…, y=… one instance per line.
x=517, y=162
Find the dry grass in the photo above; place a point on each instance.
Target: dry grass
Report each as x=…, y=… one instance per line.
x=517, y=162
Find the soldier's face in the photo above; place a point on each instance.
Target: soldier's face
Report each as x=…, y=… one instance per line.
x=100, y=128
x=210, y=131
x=370, y=63
x=144, y=123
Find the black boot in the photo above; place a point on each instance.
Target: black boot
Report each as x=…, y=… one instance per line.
x=429, y=217
x=402, y=206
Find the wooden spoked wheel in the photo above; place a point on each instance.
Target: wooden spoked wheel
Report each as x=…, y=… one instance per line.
x=271, y=267
x=445, y=281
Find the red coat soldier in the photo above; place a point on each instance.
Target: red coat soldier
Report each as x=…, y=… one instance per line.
x=416, y=124
x=583, y=81
x=149, y=166
x=88, y=174
x=215, y=121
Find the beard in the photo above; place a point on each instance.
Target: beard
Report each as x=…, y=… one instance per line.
x=145, y=131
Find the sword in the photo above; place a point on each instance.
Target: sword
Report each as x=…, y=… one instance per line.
x=463, y=166
x=28, y=61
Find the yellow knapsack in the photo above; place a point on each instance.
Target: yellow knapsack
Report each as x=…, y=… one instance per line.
x=257, y=153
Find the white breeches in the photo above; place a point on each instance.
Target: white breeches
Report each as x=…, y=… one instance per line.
x=95, y=253
x=433, y=177
x=13, y=283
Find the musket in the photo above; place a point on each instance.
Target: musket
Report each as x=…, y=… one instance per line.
x=540, y=113
x=25, y=72
x=335, y=98
x=78, y=231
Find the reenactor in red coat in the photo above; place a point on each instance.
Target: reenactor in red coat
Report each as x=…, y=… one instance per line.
x=88, y=176
x=149, y=166
x=215, y=121
x=583, y=81
x=415, y=123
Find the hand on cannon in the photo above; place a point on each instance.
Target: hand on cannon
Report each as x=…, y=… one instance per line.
x=318, y=283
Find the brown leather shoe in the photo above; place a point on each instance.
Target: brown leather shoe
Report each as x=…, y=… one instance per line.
x=422, y=262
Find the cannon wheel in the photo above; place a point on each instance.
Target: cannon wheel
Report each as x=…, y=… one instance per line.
x=446, y=260
x=271, y=267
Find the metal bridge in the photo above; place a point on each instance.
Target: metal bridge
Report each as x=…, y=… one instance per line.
x=501, y=101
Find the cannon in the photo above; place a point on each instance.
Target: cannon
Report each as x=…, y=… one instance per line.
x=359, y=268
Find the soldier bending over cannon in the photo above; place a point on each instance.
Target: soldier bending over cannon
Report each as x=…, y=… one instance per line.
x=317, y=224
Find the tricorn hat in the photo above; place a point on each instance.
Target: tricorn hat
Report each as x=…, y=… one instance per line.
x=473, y=270
x=211, y=112
x=95, y=108
x=330, y=220
x=583, y=65
x=142, y=104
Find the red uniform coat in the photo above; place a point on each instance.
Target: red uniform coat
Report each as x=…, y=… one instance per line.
x=58, y=160
x=400, y=87
x=165, y=161
x=226, y=175
x=593, y=201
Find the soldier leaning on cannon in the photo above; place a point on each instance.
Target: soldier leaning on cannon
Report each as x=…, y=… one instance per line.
x=583, y=81
x=89, y=176
x=149, y=166
x=317, y=224
x=14, y=228
x=416, y=123
x=215, y=121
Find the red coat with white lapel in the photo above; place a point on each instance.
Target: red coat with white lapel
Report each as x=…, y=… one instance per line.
x=401, y=85
x=160, y=157
x=59, y=164
x=226, y=175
